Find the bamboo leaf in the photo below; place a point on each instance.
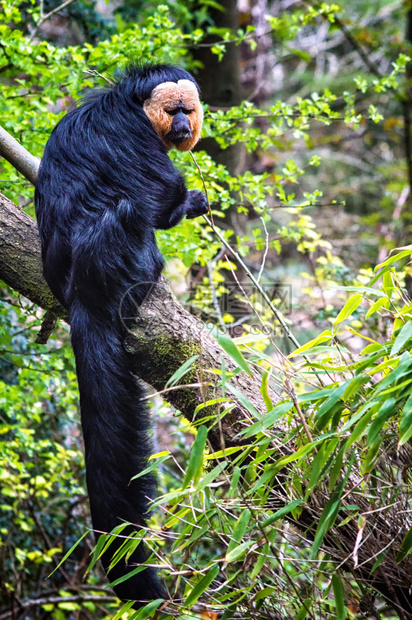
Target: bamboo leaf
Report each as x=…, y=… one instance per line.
x=203, y=584
x=349, y=308
x=386, y=411
x=304, y=611
x=156, y=459
x=231, y=349
x=70, y=551
x=261, y=559
x=243, y=400
x=282, y=511
x=212, y=475
x=267, y=420
x=341, y=611
x=195, y=464
x=239, y=530
x=394, y=258
x=265, y=592
x=180, y=372
x=327, y=519
x=326, y=410
x=123, y=610
x=330, y=511
x=381, y=303
x=264, y=390
x=221, y=454
x=323, y=337
x=238, y=551
x=402, y=338
x=405, y=548
x=405, y=424
x=355, y=385
x=147, y=610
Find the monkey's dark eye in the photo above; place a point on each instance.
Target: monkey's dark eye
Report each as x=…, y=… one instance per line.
x=177, y=110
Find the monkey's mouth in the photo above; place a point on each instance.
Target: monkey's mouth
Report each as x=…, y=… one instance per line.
x=177, y=137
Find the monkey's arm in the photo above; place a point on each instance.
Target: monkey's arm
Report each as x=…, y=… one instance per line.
x=194, y=205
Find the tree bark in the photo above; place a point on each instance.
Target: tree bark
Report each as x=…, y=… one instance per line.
x=20, y=257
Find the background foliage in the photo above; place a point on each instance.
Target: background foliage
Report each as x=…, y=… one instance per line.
x=321, y=198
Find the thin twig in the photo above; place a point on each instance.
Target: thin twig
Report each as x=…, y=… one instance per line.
x=204, y=185
x=214, y=297
x=173, y=388
x=266, y=250
x=94, y=73
x=44, y=18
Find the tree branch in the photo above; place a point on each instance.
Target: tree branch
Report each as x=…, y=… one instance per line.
x=18, y=156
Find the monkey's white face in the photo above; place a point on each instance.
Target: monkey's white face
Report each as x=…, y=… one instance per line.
x=175, y=111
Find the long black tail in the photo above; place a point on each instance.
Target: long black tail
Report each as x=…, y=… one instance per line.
x=117, y=444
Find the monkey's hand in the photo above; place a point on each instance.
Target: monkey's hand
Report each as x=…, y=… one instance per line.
x=197, y=204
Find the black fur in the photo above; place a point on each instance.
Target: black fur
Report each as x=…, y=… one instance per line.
x=105, y=182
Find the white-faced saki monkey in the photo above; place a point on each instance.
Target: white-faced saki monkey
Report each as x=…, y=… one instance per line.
x=104, y=184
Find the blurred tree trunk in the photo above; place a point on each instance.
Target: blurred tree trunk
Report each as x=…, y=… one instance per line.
x=220, y=79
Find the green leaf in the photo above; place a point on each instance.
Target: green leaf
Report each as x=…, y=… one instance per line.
x=282, y=512
x=296, y=456
x=337, y=467
x=128, y=575
x=238, y=551
x=156, y=461
x=212, y=475
x=355, y=385
x=239, y=530
x=231, y=349
x=386, y=411
x=203, y=584
x=393, y=259
x=267, y=420
x=222, y=454
x=70, y=551
x=361, y=426
x=317, y=465
x=327, y=519
x=147, y=610
x=330, y=512
x=194, y=467
x=402, y=338
x=327, y=410
x=264, y=390
x=341, y=611
x=243, y=400
x=265, y=592
x=381, y=303
x=323, y=337
x=123, y=610
x=349, y=308
x=180, y=372
x=405, y=423
x=371, y=456
x=304, y=611
x=405, y=548
x=378, y=561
